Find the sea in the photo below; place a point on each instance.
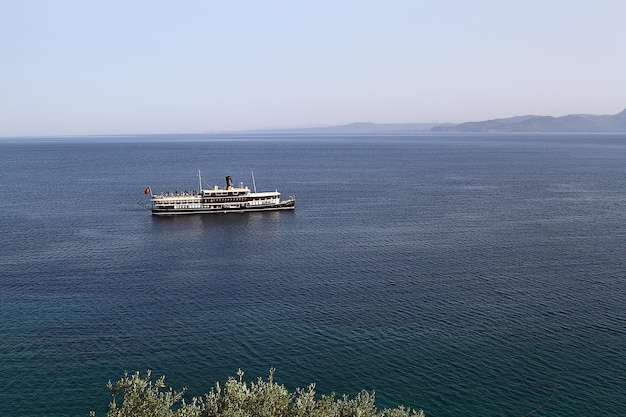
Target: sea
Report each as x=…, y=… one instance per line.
x=462, y=274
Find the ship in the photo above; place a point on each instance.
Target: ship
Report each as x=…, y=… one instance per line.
x=229, y=199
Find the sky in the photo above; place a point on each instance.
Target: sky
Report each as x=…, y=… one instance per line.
x=98, y=67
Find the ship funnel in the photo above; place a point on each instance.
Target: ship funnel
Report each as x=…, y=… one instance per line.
x=229, y=182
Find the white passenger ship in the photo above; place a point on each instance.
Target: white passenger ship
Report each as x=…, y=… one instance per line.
x=218, y=200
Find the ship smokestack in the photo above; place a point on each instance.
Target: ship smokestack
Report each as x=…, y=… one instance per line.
x=229, y=182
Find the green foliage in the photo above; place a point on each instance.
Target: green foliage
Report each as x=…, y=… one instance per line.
x=143, y=398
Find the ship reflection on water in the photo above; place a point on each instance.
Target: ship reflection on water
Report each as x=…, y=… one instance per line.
x=198, y=227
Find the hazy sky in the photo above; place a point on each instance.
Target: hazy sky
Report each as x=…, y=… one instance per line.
x=124, y=66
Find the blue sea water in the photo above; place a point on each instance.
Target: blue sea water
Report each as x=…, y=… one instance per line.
x=461, y=274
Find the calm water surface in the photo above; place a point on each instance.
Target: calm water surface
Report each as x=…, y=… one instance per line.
x=465, y=275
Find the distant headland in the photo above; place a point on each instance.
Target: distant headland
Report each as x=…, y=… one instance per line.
x=573, y=123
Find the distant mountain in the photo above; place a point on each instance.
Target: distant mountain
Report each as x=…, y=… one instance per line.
x=359, y=128
x=572, y=123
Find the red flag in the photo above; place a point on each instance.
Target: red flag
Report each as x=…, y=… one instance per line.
x=147, y=191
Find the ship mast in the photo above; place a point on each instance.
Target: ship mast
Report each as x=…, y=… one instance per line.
x=199, y=183
x=253, y=183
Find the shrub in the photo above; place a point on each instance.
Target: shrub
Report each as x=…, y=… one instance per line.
x=143, y=398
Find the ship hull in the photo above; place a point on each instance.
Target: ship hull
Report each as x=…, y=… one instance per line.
x=166, y=211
